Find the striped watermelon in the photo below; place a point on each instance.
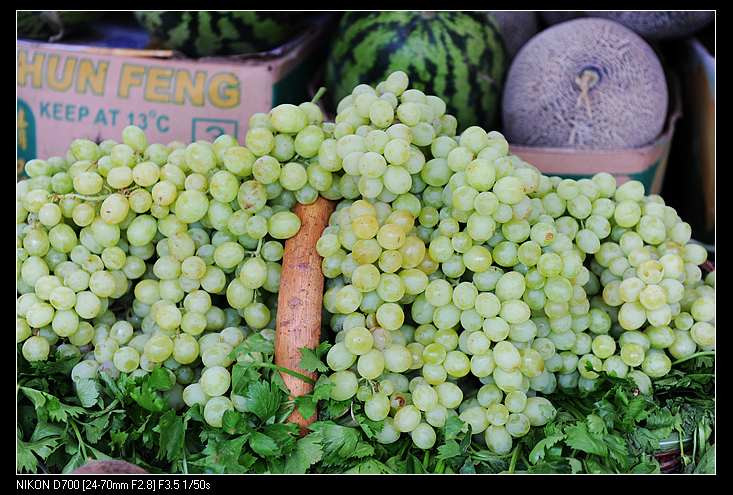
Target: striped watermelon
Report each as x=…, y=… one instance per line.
x=458, y=56
x=206, y=33
x=52, y=24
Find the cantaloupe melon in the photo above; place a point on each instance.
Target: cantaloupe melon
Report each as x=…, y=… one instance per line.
x=660, y=25
x=516, y=28
x=585, y=84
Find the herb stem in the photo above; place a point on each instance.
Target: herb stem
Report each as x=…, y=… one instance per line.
x=81, y=442
x=513, y=461
x=288, y=371
x=693, y=356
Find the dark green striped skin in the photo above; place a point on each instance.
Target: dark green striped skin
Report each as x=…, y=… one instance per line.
x=38, y=25
x=207, y=33
x=458, y=56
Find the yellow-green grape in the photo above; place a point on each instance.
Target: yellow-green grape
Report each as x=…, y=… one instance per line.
x=35, y=348
x=632, y=354
x=656, y=364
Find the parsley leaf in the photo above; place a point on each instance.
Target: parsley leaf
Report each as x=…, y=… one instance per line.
x=579, y=438
x=172, y=435
x=263, y=445
x=310, y=361
x=262, y=400
x=308, y=451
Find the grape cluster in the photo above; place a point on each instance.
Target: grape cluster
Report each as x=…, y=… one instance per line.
x=133, y=256
x=461, y=281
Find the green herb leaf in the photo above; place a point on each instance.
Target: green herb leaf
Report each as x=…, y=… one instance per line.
x=595, y=424
x=242, y=376
x=322, y=388
x=539, y=450
x=453, y=426
x=172, y=435
x=370, y=466
x=160, y=379
x=579, y=438
x=308, y=451
x=263, y=445
x=618, y=451
x=339, y=442
x=310, y=361
x=87, y=390
x=306, y=405
x=222, y=456
x=261, y=400
x=26, y=452
x=707, y=462
x=449, y=450
x=95, y=429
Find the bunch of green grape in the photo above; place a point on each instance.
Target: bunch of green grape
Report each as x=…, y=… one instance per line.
x=460, y=280
x=133, y=256
x=432, y=272
x=645, y=278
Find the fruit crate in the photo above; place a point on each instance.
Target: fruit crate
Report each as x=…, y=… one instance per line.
x=87, y=88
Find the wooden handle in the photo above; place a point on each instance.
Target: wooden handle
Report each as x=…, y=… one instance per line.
x=300, y=299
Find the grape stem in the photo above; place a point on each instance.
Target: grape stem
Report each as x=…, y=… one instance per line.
x=79, y=196
x=693, y=356
x=318, y=94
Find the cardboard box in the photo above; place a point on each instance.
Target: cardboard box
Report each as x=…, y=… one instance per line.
x=68, y=91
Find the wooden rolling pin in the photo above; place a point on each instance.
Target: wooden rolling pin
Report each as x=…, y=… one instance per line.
x=300, y=299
